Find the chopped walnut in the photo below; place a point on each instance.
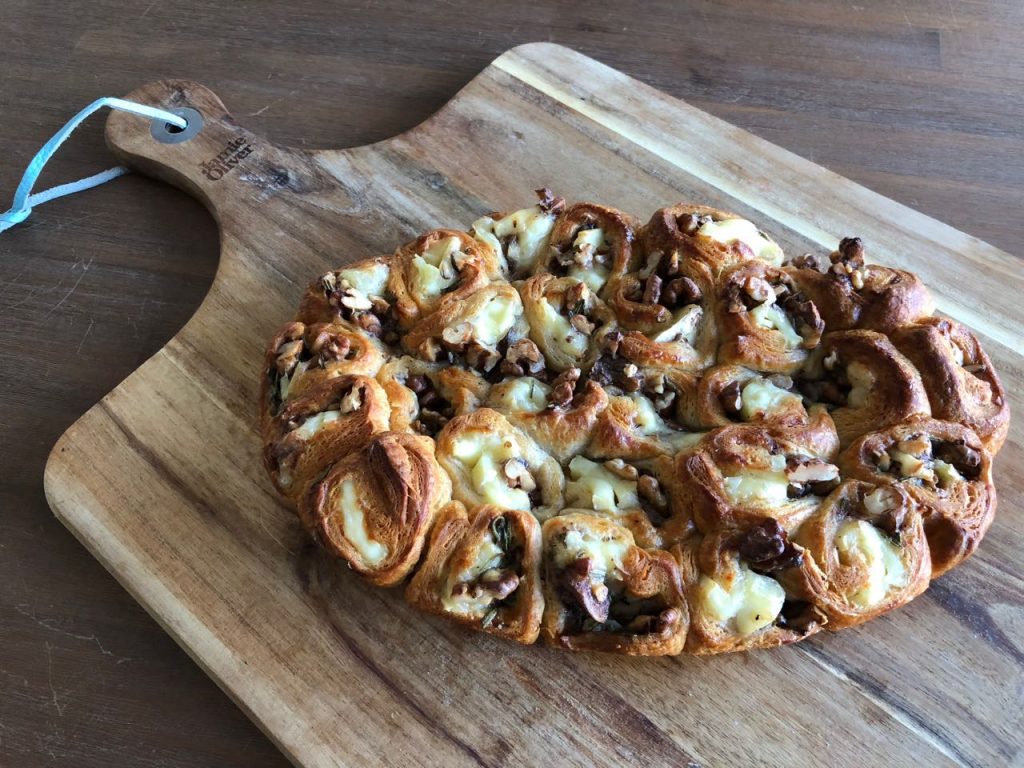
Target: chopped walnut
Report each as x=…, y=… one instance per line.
x=767, y=548
x=562, y=388
x=649, y=490
x=517, y=475
x=592, y=597
x=620, y=468
x=548, y=202
x=731, y=398
x=288, y=356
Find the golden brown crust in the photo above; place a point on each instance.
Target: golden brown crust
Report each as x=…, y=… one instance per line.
x=634, y=606
x=618, y=254
x=562, y=430
x=375, y=507
x=764, y=322
x=492, y=462
x=462, y=579
x=957, y=508
x=721, y=398
x=850, y=294
x=676, y=229
x=462, y=318
x=356, y=293
x=739, y=475
x=630, y=428
x=961, y=383
x=469, y=265
x=866, y=383
x=300, y=357
x=713, y=562
x=312, y=431
x=850, y=585
x=563, y=314
x=425, y=396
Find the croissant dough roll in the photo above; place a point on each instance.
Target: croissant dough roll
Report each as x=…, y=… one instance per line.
x=631, y=428
x=492, y=462
x=742, y=474
x=850, y=294
x=358, y=294
x=440, y=266
x=946, y=470
x=557, y=417
x=375, y=507
x=592, y=243
x=301, y=356
x=426, y=396
x=961, y=383
x=313, y=431
x=867, y=554
x=563, y=314
x=520, y=239
x=730, y=394
x=765, y=322
x=629, y=493
x=736, y=600
x=483, y=570
x=603, y=593
x=469, y=330
x=718, y=239
x=866, y=383
x=666, y=315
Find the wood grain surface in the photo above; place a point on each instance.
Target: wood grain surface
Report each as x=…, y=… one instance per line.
x=921, y=103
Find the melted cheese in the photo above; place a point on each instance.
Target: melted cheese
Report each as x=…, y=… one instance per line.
x=606, y=555
x=591, y=486
x=859, y=543
x=596, y=275
x=483, y=454
x=771, y=316
x=285, y=384
x=530, y=228
x=353, y=520
x=947, y=473
x=492, y=323
x=314, y=424
x=489, y=555
x=523, y=395
x=912, y=466
x=761, y=398
x=750, y=600
x=568, y=340
x=731, y=231
x=369, y=281
x=428, y=281
x=862, y=380
x=757, y=485
x=684, y=328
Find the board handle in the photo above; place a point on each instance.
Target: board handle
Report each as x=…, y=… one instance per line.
x=214, y=158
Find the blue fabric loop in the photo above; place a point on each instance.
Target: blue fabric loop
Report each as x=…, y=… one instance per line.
x=24, y=200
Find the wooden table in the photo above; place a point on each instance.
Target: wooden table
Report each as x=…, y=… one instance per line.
x=920, y=101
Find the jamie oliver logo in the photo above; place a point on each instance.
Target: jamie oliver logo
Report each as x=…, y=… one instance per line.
x=226, y=159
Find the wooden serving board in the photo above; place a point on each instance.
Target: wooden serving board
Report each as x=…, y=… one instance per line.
x=162, y=479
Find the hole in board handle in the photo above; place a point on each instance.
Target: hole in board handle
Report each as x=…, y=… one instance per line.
x=166, y=133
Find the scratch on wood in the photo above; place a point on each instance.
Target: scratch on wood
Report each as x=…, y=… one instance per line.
x=49, y=679
x=88, y=330
x=24, y=611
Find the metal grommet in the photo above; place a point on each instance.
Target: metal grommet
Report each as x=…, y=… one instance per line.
x=166, y=133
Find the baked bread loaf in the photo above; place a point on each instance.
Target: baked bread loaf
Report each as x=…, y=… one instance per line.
x=567, y=426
